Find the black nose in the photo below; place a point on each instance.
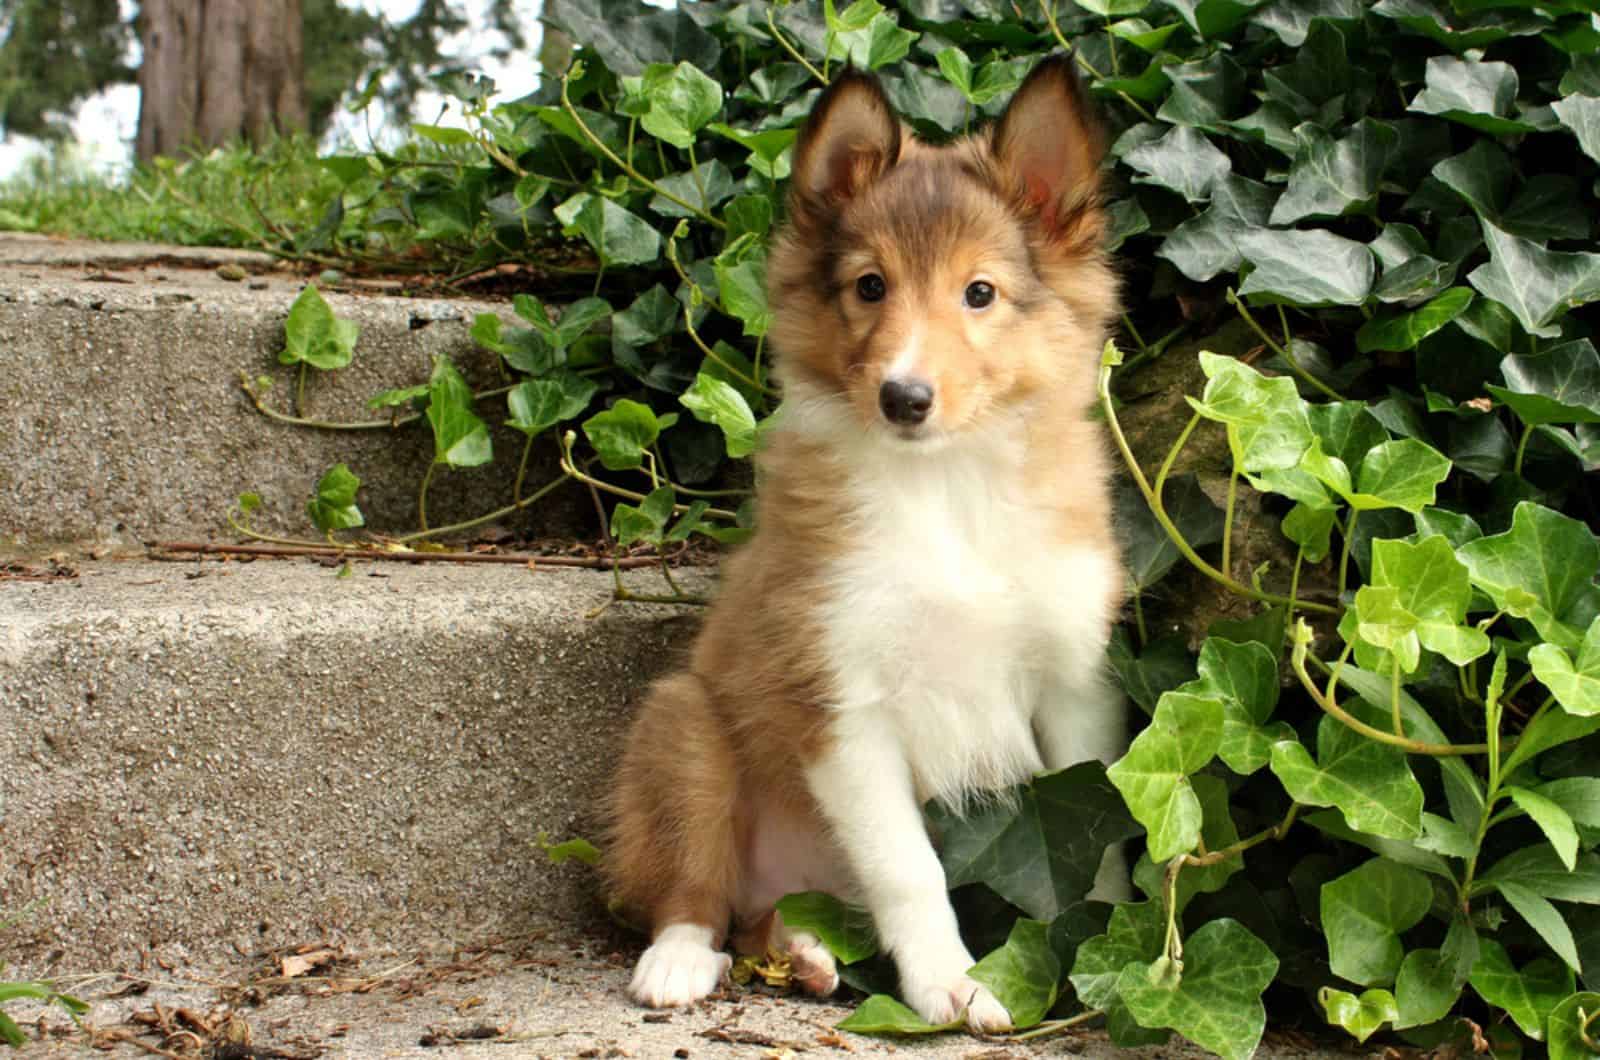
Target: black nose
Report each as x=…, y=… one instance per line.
x=905, y=401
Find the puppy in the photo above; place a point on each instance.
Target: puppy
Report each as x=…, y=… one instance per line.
x=923, y=609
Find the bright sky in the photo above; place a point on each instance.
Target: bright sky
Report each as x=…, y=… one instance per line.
x=106, y=124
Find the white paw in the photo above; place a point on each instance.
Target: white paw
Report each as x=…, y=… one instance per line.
x=811, y=965
x=678, y=968
x=941, y=1002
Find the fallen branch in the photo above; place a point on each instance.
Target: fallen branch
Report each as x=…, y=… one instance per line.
x=176, y=550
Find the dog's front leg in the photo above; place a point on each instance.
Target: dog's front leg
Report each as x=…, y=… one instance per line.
x=862, y=783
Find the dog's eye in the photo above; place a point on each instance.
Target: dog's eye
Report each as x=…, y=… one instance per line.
x=871, y=288
x=979, y=295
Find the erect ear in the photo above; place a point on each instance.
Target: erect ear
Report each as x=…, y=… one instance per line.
x=1049, y=147
x=850, y=140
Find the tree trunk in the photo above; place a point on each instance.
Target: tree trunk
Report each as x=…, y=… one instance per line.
x=218, y=70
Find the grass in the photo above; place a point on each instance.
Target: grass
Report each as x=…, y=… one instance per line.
x=224, y=197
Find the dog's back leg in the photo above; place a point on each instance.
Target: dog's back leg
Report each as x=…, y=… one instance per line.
x=673, y=851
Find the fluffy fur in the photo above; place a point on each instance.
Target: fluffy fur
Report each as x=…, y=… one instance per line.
x=923, y=609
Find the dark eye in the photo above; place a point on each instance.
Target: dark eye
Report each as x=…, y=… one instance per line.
x=871, y=288
x=979, y=295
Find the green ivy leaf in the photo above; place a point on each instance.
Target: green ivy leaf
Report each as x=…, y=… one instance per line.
x=1182, y=160
x=1245, y=678
x=651, y=316
x=1530, y=995
x=1219, y=832
x=315, y=336
x=683, y=100
x=1576, y=686
x=1216, y=1002
x=705, y=186
x=1040, y=849
x=1267, y=423
x=1538, y=569
x=333, y=506
x=1206, y=246
x=1153, y=776
x=460, y=438
x=1581, y=114
x=845, y=929
x=1361, y=1016
x=882, y=1014
x=1370, y=783
x=1568, y=1025
x=1479, y=94
x=621, y=433
x=716, y=402
x=1331, y=178
x=1405, y=330
x=536, y=405
x=647, y=522
x=1552, y=820
x=1306, y=268
x=1536, y=284
x=1363, y=913
x=1560, y=385
x=741, y=272
x=1022, y=974
x=1550, y=729
x=1430, y=980
x=619, y=236
x=1135, y=934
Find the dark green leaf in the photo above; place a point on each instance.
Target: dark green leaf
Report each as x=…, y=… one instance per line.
x=1528, y=995
x=1182, y=160
x=1537, y=285
x=621, y=433
x=1370, y=783
x=845, y=929
x=1363, y=913
x=1216, y=1000
x=1479, y=94
x=536, y=405
x=1306, y=268
x=1538, y=569
x=1560, y=385
x=1331, y=177
x=1404, y=331
x=1023, y=973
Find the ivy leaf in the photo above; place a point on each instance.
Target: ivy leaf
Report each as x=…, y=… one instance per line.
x=1245, y=678
x=1370, y=783
x=1267, y=424
x=1022, y=974
x=1479, y=94
x=845, y=929
x=1576, y=686
x=1537, y=285
x=741, y=272
x=536, y=405
x=1435, y=587
x=1560, y=385
x=683, y=100
x=1183, y=160
x=1430, y=981
x=621, y=433
x=1219, y=832
x=1040, y=849
x=882, y=1014
x=1568, y=1027
x=705, y=186
x=1361, y=1016
x=1330, y=178
x=1581, y=114
x=651, y=316
x=619, y=236
x=1536, y=570
x=1363, y=913
x=1216, y=1002
x=460, y=438
x=1147, y=552
x=1530, y=995
x=1153, y=776
x=716, y=402
x=643, y=523
x=1405, y=330
x=1135, y=934
x=333, y=506
x=1306, y=268
x=1400, y=473
x=314, y=336
x=1204, y=246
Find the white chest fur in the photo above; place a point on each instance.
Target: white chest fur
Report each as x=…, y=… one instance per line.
x=957, y=614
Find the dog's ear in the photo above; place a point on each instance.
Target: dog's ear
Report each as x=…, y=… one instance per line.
x=850, y=140
x=1049, y=146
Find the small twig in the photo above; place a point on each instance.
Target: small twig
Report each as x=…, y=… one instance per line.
x=335, y=552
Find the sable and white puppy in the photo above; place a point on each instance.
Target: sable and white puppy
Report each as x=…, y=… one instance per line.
x=923, y=609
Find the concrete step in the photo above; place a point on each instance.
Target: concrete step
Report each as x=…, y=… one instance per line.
x=209, y=759
x=126, y=422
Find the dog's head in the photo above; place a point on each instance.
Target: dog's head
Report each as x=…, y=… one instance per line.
x=931, y=287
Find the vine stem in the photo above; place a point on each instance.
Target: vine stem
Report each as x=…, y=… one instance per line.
x=570, y=466
x=1174, y=945
x=422, y=495
x=1297, y=660
x=1055, y=28
x=1344, y=555
x=1227, y=526
x=1522, y=448
x=627, y=167
x=783, y=42
x=1281, y=350
x=1158, y=509
x=1049, y=1027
